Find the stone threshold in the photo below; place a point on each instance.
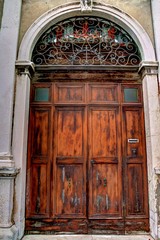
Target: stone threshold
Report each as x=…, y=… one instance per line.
x=87, y=237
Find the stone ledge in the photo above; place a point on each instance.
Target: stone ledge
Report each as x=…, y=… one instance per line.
x=6, y=157
x=6, y=163
x=8, y=172
x=87, y=237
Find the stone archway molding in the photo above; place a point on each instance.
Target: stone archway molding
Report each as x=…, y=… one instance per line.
x=25, y=68
x=73, y=9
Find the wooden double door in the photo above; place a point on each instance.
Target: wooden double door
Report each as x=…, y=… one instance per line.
x=86, y=168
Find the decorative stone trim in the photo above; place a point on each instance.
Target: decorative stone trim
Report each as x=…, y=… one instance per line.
x=25, y=67
x=6, y=157
x=86, y=5
x=157, y=170
x=9, y=172
x=148, y=68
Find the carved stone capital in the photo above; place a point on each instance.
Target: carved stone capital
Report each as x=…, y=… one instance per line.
x=148, y=68
x=25, y=67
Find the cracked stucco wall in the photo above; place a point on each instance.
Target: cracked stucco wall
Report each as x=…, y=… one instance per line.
x=139, y=9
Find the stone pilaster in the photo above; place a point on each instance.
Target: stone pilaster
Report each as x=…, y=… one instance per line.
x=8, y=51
x=149, y=73
x=155, y=5
x=24, y=70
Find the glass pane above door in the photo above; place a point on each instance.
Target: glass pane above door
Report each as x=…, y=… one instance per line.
x=41, y=94
x=130, y=95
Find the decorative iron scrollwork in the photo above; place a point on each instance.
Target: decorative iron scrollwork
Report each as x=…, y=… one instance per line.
x=86, y=41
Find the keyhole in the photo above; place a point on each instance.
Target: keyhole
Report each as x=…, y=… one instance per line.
x=134, y=152
x=69, y=183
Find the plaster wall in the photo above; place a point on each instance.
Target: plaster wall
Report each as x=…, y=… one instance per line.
x=138, y=9
x=1, y=10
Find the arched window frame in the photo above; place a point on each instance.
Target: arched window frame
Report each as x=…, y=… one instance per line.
x=86, y=40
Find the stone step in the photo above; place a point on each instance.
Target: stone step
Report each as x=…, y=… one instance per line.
x=87, y=237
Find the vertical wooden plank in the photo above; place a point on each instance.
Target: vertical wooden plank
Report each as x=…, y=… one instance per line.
x=135, y=189
x=70, y=160
x=40, y=136
x=39, y=190
x=135, y=171
x=105, y=163
x=104, y=135
x=70, y=133
x=39, y=157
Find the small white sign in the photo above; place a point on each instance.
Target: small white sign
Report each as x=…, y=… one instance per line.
x=133, y=140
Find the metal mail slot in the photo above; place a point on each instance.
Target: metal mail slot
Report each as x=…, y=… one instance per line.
x=133, y=140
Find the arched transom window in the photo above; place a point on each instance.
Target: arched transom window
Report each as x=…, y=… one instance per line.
x=86, y=41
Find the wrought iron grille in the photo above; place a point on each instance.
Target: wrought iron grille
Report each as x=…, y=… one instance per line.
x=86, y=41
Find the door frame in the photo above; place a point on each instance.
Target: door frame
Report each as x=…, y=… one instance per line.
x=147, y=70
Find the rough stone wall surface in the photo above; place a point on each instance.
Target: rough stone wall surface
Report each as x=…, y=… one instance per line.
x=139, y=9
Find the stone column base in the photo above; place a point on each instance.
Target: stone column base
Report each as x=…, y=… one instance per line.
x=9, y=233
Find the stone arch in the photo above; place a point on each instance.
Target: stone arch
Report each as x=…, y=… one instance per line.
x=107, y=11
x=25, y=68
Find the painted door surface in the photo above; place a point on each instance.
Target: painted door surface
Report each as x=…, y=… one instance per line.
x=86, y=168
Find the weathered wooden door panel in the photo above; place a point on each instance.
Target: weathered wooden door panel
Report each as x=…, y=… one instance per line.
x=39, y=191
x=69, y=93
x=135, y=188
x=70, y=191
x=105, y=178
x=103, y=93
x=134, y=129
x=105, y=193
x=70, y=162
x=38, y=173
x=135, y=175
x=69, y=132
x=40, y=147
